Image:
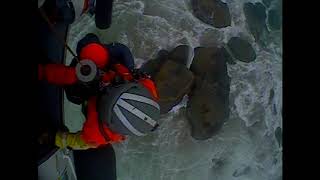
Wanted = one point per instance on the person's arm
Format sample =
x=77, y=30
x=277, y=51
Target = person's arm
x=57, y=74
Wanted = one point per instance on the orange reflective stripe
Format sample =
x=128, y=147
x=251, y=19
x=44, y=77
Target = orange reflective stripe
x=149, y=84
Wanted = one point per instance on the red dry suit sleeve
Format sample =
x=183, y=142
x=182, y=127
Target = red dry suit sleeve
x=108, y=76
x=91, y=132
x=57, y=74
x=123, y=71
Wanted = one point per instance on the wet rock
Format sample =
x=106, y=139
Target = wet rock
x=243, y=170
x=278, y=135
x=208, y=105
x=180, y=54
x=171, y=75
x=274, y=19
x=173, y=82
x=212, y=12
x=256, y=20
x=153, y=66
x=271, y=96
x=241, y=49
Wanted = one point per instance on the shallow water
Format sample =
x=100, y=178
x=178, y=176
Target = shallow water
x=246, y=147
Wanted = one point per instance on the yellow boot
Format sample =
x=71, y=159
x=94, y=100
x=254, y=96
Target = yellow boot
x=72, y=140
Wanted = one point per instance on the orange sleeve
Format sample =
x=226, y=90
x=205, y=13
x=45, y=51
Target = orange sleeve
x=150, y=85
x=57, y=74
x=108, y=76
x=91, y=131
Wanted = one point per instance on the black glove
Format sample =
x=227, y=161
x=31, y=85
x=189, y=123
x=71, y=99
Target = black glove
x=117, y=80
x=138, y=74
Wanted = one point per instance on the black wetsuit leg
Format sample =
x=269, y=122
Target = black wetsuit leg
x=89, y=38
x=120, y=53
x=103, y=13
x=95, y=164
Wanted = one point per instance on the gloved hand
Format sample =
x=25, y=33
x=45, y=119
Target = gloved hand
x=72, y=140
x=138, y=74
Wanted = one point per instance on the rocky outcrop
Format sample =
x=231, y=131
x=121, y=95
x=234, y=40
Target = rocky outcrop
x=212, y=12
x=278, y=135
x=172, y=77
x=153, y=66
x=208, y=105
x=256, y=20
x=173, y=82
x=180, y=54
x=207, y=84
x=275, y=16
x=241, y=49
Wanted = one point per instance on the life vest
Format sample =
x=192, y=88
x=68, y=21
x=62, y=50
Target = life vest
x=99, y=128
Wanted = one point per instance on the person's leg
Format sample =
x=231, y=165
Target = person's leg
x=121, y=54
x=97, y=164
x=103, y=13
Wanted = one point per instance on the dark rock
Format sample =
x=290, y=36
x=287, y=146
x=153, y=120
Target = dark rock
x=153, y=66
x=278, y=135
x=173, y=82
x=213, y=12
x=180, y=54
x=271, y=96
x=208, y=105
x=274, y=109
x=256, y=20
x=241, y=49
x=274, y=19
